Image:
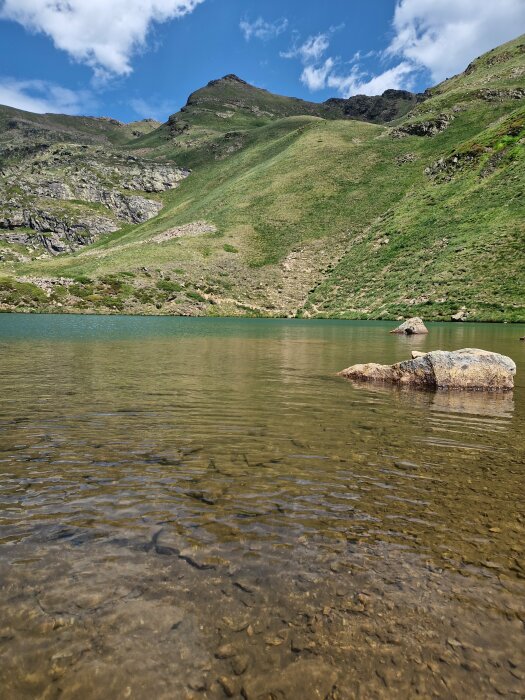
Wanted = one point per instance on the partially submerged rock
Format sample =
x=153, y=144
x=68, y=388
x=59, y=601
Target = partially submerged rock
x=413, y=326
x=468, y=368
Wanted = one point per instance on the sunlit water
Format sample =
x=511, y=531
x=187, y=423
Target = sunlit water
x=194, y=508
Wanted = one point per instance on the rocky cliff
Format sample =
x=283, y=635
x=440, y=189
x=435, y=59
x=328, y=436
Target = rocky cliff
x=48, y=192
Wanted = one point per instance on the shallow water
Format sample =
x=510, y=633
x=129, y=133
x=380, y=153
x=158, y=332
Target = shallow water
x=199, y=508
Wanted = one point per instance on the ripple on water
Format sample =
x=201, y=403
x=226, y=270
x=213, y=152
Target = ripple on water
x=181, y=514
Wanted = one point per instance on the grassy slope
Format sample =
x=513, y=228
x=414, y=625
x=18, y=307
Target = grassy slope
x=219, y=118
x=62, y=127
x=456, y=239
x=329, y=218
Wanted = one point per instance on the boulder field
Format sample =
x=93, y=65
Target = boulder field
x=469, y=368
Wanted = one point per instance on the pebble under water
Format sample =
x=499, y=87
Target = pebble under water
x=200, y=508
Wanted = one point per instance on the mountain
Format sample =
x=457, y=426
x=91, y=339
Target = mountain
x=219, y=117
x=246, y=202
x=19, y=128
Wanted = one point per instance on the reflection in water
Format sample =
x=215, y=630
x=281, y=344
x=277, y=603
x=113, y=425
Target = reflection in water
x=193, y=508
x=474, y=403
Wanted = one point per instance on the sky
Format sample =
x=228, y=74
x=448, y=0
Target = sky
x=132, y=59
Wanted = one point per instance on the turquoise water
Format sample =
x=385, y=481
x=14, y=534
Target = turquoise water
x=201, y=508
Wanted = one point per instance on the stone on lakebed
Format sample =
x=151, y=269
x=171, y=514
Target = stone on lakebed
x=468, y=368
x=413, y=326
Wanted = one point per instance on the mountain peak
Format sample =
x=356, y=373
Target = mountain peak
x=230, y=78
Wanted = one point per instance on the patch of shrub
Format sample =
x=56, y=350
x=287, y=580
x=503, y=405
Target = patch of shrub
x=230, y=248
x=168, y=286
x=195, y=295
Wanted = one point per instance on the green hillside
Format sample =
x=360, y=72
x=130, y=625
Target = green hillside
x=18, y=128
x=292, y=208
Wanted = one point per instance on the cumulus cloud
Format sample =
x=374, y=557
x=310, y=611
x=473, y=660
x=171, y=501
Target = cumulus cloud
x=315, y=78
x=103, y=34
x=445, y=36
x=357, y=83
x=311, y=50
x=262, y=29
x=40, y=96
x=438, y=39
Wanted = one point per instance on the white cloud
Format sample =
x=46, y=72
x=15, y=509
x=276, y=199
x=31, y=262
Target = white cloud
x=315, y=78
x=261, y=29
x=396, y=78
x=103, y=34
x=40, y=96
x=438, y=36
x=445, y=36
x=311, y=50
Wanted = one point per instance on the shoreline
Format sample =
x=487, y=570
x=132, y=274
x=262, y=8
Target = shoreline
x=83, y=312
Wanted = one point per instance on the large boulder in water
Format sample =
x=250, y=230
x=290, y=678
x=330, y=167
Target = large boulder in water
x=413, y=326
x=459, y=369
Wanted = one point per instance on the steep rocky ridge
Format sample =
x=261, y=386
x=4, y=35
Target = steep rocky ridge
x=378, y=109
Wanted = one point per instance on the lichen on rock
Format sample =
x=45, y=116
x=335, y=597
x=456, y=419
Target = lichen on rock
x=469, y=368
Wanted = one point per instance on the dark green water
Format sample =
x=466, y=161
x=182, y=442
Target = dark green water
x=200, y=508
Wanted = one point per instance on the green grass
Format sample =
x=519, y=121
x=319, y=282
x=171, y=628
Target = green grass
x=325, y=217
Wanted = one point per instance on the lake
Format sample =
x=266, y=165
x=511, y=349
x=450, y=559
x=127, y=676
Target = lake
x=200, y=508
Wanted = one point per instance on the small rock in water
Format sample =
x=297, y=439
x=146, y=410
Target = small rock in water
x=240, y=664
x=227, y=685
x=226, y=651
x=413, y=326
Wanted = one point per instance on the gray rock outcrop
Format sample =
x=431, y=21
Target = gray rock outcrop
x=52, y=189
x=461, y=315
x=412, y=326
x=468, y=368
x=429, y=127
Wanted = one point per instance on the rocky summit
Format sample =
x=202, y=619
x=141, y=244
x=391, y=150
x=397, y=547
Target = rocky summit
x=393, y=206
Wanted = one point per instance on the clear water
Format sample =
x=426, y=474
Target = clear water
x=200, y=508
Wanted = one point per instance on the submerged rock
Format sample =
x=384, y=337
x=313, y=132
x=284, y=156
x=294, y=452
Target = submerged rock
x=468, y=368
x=413, y=326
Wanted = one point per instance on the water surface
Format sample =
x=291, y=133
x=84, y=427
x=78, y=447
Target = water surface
x=200, y=508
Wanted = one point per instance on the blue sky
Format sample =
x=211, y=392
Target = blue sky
x=130, y=59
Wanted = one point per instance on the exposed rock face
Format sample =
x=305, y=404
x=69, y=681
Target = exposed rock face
x=413, y=326
x=378, y=109
x=55, y=233
x=45, y=190
x=461, y=315
x=430, y=127
x=492, y=95
x=469, y=368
